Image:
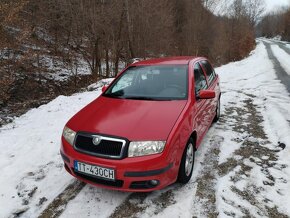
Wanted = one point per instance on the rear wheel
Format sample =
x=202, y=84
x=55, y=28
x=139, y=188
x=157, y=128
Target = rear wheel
x=218, y=111
x=187, y=162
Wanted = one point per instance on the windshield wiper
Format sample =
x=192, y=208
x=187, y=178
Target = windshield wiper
x=122, y=96
x=145, y=98
x=113, y=96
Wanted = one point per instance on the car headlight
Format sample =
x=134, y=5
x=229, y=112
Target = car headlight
x=69, y=135
x=143, y=148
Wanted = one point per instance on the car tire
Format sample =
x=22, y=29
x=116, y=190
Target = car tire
x=218, y=111
x=187, y=162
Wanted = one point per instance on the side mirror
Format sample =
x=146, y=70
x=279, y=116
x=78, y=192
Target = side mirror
x=206, y=94
x=104, y=88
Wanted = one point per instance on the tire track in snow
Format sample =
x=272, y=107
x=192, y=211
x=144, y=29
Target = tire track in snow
x=147, y=204
x=280, y=71
x=254, y=157
x=58, y=205
x=283, y=47
x=133, y=204
x=206, y=193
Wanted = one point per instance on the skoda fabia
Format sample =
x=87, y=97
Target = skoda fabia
x=142, y=132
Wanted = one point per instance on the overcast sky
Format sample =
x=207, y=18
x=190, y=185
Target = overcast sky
x=271, y=5
x=274, y=4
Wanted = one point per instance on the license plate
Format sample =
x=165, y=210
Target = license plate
x=97, y=171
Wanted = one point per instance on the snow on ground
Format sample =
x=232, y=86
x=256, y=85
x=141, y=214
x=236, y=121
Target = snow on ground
x=99, y=84
x=30, y=162
x=257, y=82
x=240, y=170
x=283, y=57
x=276, y=39
x=62, y=73
x=94, y=202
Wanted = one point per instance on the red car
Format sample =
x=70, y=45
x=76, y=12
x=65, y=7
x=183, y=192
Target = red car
x=141, y=134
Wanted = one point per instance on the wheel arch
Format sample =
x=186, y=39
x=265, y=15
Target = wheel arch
x=193, y=136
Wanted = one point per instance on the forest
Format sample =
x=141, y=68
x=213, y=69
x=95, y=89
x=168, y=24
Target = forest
x=93, y=39
x=276, y=24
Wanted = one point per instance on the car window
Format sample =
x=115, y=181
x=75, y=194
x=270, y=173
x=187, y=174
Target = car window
x=208, y=70
x=164, y=82
x=199, y=79
x=125, y=82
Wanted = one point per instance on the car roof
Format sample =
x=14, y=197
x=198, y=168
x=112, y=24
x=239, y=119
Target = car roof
x=167, y=61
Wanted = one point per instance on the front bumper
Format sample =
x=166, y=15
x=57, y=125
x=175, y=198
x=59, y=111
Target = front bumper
x=132, y=174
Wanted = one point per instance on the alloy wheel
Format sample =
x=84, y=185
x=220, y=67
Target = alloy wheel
x=189, y=159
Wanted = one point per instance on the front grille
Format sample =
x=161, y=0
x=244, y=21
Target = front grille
x=116, y=183
x=107, y=147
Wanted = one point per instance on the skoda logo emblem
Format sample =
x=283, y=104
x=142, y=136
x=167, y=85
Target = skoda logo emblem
x=96, y=140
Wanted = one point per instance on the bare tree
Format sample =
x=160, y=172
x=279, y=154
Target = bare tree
x=254, y=10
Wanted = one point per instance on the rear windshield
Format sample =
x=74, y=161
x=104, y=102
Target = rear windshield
x=151, y=83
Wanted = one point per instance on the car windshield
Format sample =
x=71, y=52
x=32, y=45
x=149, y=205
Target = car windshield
x=151, y=83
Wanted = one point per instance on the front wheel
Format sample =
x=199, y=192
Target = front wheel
x=187, y=162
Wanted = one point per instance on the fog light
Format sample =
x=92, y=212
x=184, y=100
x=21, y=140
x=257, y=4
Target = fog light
x=154, y=182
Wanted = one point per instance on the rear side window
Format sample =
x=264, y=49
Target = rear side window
x=199, y=79
x=209, y=71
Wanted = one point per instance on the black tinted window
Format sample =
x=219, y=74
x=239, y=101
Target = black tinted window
x=199, y=79
x=208, y=70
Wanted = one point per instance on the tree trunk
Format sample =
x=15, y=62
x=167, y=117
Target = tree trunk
x=96, y=58
x=130, y=31
x=107, y=63
x=116, y=66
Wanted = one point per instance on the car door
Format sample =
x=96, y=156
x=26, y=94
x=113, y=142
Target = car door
x=212, y=82
x=201, y=105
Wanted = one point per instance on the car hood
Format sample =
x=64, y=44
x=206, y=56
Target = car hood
x=131, y=119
